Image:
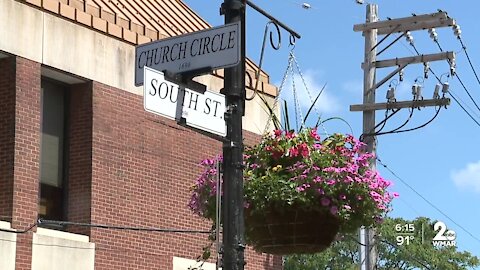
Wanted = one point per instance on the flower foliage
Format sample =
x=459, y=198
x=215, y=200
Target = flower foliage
x=288, y=169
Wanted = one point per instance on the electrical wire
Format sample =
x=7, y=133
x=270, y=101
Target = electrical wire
x=114, y=227
x=20, y=231
x=412, y=129
x=468, y=58
x=65, y=223
x=426, y=200
x=450, y=91
x=466, y=90
x=456, y=73
x=456, y=100
x=378, y=133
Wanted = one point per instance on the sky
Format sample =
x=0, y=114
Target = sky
x=439, y=162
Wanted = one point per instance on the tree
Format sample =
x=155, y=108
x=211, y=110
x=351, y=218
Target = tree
x=402, y=245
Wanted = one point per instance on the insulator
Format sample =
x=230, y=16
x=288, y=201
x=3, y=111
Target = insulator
x=414, y=89
x=457, y=31
x=391, y=95
x=419, y=93
x=401, y=75
x=445, y=87
x=436, y=92
x=409, y=37
x=433, y=34
x=453, y=65
x=426, y=69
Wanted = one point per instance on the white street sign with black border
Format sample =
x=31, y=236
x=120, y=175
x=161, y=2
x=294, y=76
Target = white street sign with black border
x=202, y=111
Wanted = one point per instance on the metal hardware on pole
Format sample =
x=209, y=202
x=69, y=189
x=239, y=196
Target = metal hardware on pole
x=234, y=88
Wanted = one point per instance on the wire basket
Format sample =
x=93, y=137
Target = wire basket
x=288, y=231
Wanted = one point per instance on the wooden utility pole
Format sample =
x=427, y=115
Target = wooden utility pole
x=369, y=255
x=371, y=29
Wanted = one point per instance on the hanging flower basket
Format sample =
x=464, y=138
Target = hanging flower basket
x=291, y=231
x=300, y=191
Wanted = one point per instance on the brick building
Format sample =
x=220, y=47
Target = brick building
x=76, y=144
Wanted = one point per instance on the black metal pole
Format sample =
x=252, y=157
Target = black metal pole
x=234, y=87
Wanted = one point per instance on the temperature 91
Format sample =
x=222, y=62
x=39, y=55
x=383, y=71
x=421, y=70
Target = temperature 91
x=404, y=239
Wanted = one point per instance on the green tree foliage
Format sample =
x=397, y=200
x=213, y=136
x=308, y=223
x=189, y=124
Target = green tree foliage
x=400, y=246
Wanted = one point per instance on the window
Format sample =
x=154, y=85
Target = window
x=53, y=151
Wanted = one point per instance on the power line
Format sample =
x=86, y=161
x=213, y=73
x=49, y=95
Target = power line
x=450, y=91
x=468, y=58
x=456, y=73
x=465, y=88
x=427, y=201
x=463, y=108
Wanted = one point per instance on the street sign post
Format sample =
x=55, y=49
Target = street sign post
x=214, y=48
x=202, y=111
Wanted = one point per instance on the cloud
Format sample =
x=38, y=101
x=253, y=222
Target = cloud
x=311, y=82
x=468, y=177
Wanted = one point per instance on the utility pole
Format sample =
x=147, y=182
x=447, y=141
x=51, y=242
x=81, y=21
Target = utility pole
x=369, y=256
x=371, y=29
x=234, y=88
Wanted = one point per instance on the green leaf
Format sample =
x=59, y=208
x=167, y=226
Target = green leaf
x=313, y=104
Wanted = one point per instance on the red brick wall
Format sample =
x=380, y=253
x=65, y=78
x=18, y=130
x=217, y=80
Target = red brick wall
x=143, y=166
x=7, y=136
x=127, y=167
x=27, y=155
x=80, y=156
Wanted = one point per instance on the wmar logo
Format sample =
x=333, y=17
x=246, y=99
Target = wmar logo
x=444, y=237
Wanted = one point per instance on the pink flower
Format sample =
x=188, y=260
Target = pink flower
x=317, y=146
x=293, y=151
x=313, y=134
x=304, y=151
x=277, y=133
x=290, y=135
x=395, y=194
x=342, y=197
x=331, y=182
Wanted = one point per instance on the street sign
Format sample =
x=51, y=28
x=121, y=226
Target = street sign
x=214, y=48
x=202, y=111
